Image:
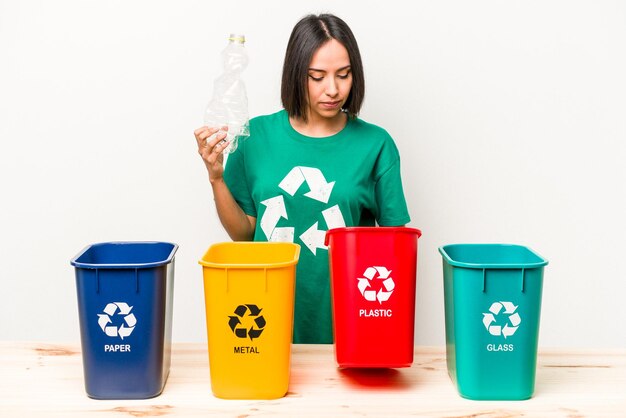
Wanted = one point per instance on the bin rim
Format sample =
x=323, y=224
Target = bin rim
x=442, y=250
x=291, y=262
x=375, y=229
x=168, y=260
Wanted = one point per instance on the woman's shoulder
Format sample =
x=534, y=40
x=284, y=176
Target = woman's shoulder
x=371, y=131
x=271, y=119
x=262, y=130
x=375, y=138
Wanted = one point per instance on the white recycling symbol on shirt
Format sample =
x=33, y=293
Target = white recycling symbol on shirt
x=513, y=319
x=121, y=308
x=385, y=291
x=320, y=190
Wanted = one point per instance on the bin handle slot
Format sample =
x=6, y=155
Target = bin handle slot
x=136, y=280
x=226, y=270
x=522, y=281
x=484, y=280
x=97, y=281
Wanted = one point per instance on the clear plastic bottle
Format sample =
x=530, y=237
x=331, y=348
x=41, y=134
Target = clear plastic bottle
x=229, y=103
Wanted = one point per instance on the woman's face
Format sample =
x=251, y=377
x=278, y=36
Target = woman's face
x=329, y=82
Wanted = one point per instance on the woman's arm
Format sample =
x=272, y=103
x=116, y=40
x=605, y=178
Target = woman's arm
x=238, y=225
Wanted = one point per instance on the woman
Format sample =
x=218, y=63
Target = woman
x=310, y=167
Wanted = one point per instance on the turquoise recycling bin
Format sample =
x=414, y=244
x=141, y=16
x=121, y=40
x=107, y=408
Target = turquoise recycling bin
x=492, y=298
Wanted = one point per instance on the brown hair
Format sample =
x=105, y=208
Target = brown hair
x=310, y=33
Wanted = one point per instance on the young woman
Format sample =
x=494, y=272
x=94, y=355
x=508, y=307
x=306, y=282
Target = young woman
x=310, y=167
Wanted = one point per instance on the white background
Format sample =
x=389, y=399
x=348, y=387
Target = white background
x=509, y=116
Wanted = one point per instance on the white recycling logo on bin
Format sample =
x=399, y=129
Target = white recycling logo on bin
x=120, y=309
x=385, y=290
x=509, y=327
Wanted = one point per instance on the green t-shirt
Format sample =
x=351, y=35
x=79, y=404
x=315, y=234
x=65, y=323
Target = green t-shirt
x=298, y=187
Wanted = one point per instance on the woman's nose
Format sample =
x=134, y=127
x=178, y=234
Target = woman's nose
x=331, y=87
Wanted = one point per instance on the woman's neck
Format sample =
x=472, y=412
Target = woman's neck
x=319, y=127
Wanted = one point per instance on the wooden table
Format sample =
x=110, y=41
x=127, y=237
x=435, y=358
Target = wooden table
x=47, y=380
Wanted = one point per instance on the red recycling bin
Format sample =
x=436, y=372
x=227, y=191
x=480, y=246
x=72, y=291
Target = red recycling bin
x=373, y=272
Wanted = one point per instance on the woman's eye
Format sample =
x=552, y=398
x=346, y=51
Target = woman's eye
x=315, y=78
x=343, y=76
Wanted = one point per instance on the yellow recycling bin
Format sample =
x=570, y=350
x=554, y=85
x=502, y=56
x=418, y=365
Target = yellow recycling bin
x=249, y=290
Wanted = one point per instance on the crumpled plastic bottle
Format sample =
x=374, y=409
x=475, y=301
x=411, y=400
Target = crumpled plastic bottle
x=229, y=104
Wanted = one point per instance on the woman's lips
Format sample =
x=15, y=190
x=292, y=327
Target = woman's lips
x=330, y=105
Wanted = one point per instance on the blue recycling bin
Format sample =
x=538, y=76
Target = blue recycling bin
x=125, y=295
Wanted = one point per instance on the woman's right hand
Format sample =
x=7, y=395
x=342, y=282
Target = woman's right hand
x=210, y=148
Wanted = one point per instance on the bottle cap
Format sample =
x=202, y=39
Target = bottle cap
x=237, y=38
